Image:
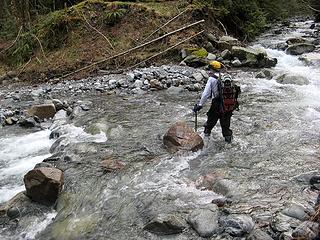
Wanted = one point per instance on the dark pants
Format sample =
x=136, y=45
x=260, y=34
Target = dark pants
x=213, y=116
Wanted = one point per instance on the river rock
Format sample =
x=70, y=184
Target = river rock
x=205, y=221
x=258, y=234
x=292, y=41
x=155, y=83
x=164, y=224
x=236, y=63
x=306, y=231
x=111, y=165
x=253, y=57
x=226, y=54
x=181, y=137
x=298, y=49
x=292, y=79
x=44, y=184
x=211, y=57
x=227, y=42
x=283, y=223
x=296, y=211
x=43, y=111
x=226, y=187
x=237, y=225
x=27, y=122
x=197, y=76
x=310, y=58
x=174, y=90
x=58, y=104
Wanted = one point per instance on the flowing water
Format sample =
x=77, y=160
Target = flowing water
x=276, y=141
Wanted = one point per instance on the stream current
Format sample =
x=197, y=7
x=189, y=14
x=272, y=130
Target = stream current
x=276, y=141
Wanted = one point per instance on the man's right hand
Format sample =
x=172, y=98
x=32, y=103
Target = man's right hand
x=197, y=108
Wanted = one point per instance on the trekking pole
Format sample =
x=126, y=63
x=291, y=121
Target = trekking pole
x=196, y=121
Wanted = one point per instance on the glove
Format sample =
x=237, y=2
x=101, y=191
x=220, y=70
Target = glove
x=197, y=108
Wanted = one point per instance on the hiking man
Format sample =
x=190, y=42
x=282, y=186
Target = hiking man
x=224, y=94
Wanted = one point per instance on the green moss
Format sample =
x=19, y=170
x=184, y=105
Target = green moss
x=200, y=53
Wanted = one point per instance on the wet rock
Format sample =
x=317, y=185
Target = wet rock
x=205, y=221
x=164, y=224
x=310, y=58
x=209, y=47
x=13, y=212
x=315, y=182
x=8, y=121
x=298, y=49
x=43, y=185
x=43, y=111
x=27, y=122
x=296, y=211
x=59, y=145
x=237, y=225
x=292, y=79
x=260, y=75
x=283, y=223
x=306, y=230
x=58, y=104
x=43, y=164
x=221, y=202
x=85, y=107
x=181, y=137
x=258, y=234
x=138, y=84
x=112, y=165
x=296, y=40
x=226, y=187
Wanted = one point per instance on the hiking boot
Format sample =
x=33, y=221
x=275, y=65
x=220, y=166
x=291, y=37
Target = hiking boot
x=228, y=139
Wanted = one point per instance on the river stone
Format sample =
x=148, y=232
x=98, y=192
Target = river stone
x=197, y=76
x=42, y=111
x=260, y=75
x=298, y=49
x=43, y=164
x=211, y=57
x=44, y=184
x=112, y=165
x=296, y=211
x=306, y=231
x=258, y=234
x=209, y=47
x=155, y=83
x=283, y=223
x=164, y=224
x=236, y=63
x=310, y=58
x=13, y=212
x=237, y=225
x=58, y=104
x=226, y=187
x=27, y=122
x=226, y=54
x=205, y=221
x=174, y=90
x=296, y=40
x=292, y=79
x=180, y=136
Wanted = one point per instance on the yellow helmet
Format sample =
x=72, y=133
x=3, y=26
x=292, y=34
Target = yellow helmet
x=215, y=65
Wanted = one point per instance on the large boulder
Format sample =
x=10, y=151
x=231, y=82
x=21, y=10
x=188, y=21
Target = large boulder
x=44, y=184
x=180, y=136
x=43, y=111
x=300, y=48
x=251, y=57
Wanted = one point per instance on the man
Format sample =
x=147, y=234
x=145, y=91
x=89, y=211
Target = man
x=224, y=101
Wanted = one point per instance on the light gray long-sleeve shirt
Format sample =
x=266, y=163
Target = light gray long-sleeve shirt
x=210, y=91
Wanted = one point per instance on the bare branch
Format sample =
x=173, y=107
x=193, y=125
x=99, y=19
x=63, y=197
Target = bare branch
x=12, y=44
x=135, y=48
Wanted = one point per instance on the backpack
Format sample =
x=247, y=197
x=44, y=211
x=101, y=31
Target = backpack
x=229, y=94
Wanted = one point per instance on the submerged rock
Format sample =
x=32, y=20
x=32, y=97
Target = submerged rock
x=181, y=137
x=165, y=225
x=44, y=184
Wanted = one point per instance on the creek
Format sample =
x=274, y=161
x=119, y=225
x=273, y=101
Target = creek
x=264, y=170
